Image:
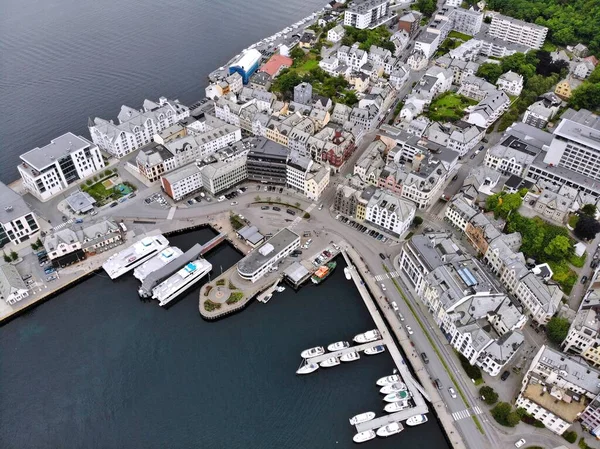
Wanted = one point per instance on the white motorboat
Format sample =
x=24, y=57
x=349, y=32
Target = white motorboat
x=350, y=357
x=375, y=350
x=363, y=436
x=312, y=352
x=362, y=417
x=280, y=289
x=347, y=273
x=179, y=282
x=368, y=336
x=308, y=368
x=392, y=388
x=397, y=396
x=338, y=345
x=332, y=361
x=416, y=420
x=394, y=407
x=387, y=380
x=390, y=429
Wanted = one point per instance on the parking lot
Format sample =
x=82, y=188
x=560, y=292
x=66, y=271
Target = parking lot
x=157, y=198
x=364, y=229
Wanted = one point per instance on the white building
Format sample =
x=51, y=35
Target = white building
x=556, y=389
x=517, y=31
x=222, y=175
x=265, y=257
x=136, y=128
x=427, y=43
x=183, y=182
x=17, y=222
x=459, y=213
x=64, y=161
x=511, y=83
x=353, y=56
x=336, y=34
x=12, y=286
x=306, y=176
x=366, y=14
x=389, y=212
x=424, y=181
x=489, y=110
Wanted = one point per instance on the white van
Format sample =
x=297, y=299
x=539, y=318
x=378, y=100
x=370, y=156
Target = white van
x=221, y=198
x=395, y=306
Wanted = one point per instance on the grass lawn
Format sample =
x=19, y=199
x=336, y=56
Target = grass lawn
x=573, y=219
x=449, y=107
x=548, y=46
x=577, y=261
x=308, y=66
x=456, y=35
x=98, y=191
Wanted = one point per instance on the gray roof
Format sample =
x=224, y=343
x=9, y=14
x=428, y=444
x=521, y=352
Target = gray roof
x=518, y=22
x=256, y=259
x=10, y=280
x=504, y=348
x=12, y=205
x=427, y=37
x=580, y=126
x=296, y=272
x=40, y=158
x=182, y=173
x=81, y=201
x=434, y=249
x=571, y=370
x=251, y=234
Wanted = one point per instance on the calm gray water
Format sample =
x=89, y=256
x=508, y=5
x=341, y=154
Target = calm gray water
x=62, y=61
x=98, y=368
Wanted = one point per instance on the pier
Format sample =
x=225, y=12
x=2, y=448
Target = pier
x=389, y=418
x=265, y=296
x=341, y=352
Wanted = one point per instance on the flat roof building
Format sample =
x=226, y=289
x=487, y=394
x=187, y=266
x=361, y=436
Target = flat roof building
x=17, y=221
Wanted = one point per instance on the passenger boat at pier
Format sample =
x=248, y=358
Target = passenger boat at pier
x=390, y=429
x=160, y=260
x=392, y=379
x=368, y=336
x=350, y=356
x=416, y=420
x=135, y=255
x=172, y=287
x=393, y=388
x=361, y=437
x=375, y=350
x=338, y=345
x=312, y=352
x=323, y=272
x=362, y=417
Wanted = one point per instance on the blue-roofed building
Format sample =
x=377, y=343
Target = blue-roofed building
x=246, y=65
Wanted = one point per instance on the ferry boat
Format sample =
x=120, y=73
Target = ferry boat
x=332, y=361
x=362, y=417
x=323, y=272
x=312, y=352
x=390, y=429
x=308, y=368
x=361, y=437
x=394, y=378
x=394, y=407
x=191, y=273
x=350, y=357
x=368, y=336
x=164, y=257
x=347, y=273
x=397, y=396
x=337, y=346
x=138, y=253
x=392, y=388
x=416, y=420
x=375, y=350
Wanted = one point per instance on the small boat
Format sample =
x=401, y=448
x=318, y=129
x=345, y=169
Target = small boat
x=332, y=361
x=416, y=420
x=375, y=350
x=312, y=352
x=338, y=345
x=308, y=368
x=387, y=380
x=368, y=336
x=394, y=407
x=392, y=388
x=363, y=436
x=397, y=396
x=280, y=289
x=347, y=273
x=362, y=417
x=350, y=357
x=390, y=429
x=323, y=272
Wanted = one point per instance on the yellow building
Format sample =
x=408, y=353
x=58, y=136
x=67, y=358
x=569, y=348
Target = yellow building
x=563, y=89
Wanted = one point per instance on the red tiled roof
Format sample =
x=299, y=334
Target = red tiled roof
x=274, y=64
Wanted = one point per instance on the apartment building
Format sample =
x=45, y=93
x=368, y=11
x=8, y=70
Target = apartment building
x=390, y=213
x=459, y=212
x=557, y=389
x=366, y=14
x=267, y=162
x=64, y=161
x=489, y=109
x=424, y=181
x=136, y=128
x=511, y=83
x=220, y=176
x=182, y=182
x=17, y=222
x=12, y=287
x=517, y=31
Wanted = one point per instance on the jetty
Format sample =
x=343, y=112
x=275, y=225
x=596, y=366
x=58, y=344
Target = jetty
x=341, y=352
x=265, y=296
x=402, y=415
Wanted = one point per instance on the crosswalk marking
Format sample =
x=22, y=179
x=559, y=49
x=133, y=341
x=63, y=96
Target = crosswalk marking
x=62, y=225
x=466, y=413
x=298, y=219
x=384, y=276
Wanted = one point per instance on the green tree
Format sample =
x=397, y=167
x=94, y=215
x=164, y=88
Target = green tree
x=14, y=255
x=350, y=98
x=417, y=221
x=297, y=54
x=557, y=329
x=490, y=71
x=491, y=397
x=504, y=414
x=427, y=7
x=7, y=258
x=586, y=96
x=559, y=248
x=504, y=203
x=589, y=209
x=587, y=227
x=570, y=436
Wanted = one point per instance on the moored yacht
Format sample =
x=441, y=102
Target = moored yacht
x=350, y=356
x=138, y=253
x=394, y=407
x=389, y=380
x=390, y=429
x=368, y=336
x=308, y=368
x=338, y=345
x=363, y=436
x=375, y=350
x=392, y=388
x=347, y=273
x=332, y=361
x=416, y=420
x=312, y=352
x=362, y=417
x=160, y=260
x=183, y=279
x=395, y=397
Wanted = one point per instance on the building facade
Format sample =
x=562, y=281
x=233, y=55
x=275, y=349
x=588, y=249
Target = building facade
x=17, y=222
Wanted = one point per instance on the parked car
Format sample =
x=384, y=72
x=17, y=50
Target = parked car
x=276, y=208
x=520, y=443
x=221, y=199
x=584, y=279
x=234, y=203
x=452, y=393
x=383, y=287
x=382, y=256
x=505, y=375
x=320, y=206
x=438, y=384
x=409, y=330
x=394, y=306
x=455, y=177
x=113, y=204
x=400, y=316
x=424, y=357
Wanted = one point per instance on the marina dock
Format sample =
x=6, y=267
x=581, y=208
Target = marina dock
x=265, y=296
x=389, y=418
x=341, y=352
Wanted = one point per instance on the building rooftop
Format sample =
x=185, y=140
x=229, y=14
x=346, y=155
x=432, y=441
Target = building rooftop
x=81, y=202
x=580, y=126
x=262, y=254
x=275, y=63
x=296, y=272
x=12, y=205
x=40, y=158
x=365, y=6
x=251, y=234
x=181, y=173
x=10, y=279
x=567, y=409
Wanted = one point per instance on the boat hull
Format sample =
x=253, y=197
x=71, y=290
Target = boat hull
x=338, y=345
x=363, y=436
x=350, y=357
x=307, y=369
x=392, y=388
x=312, y=352
x=362, y=417
x=416, y=420
x=388, y=380
x=389, y=430
x=375, y=350
x=334, y=361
